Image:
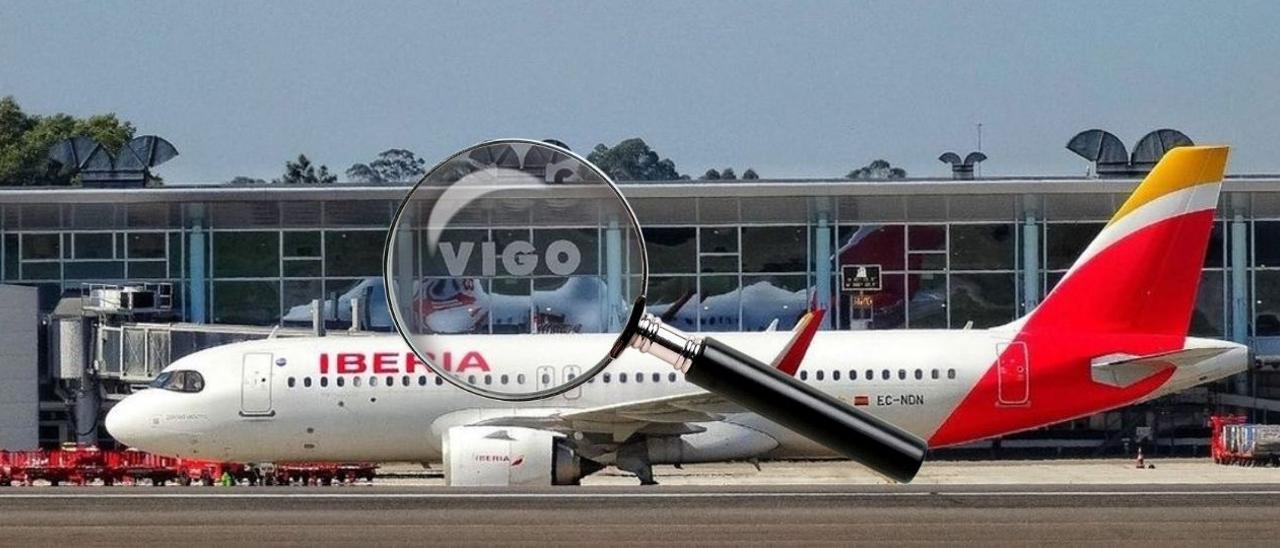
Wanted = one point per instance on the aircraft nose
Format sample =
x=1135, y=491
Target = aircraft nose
x=125, y=421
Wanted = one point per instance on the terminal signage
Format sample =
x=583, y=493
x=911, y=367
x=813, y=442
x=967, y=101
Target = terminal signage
x=518, y=258
x=860, y=277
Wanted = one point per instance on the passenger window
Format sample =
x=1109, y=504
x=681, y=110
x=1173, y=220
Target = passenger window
x=488, y=379
x=324, y=382
x=355, y=381
x=835, y=375
x=422, y=380
x=439, y=380
x=804, y=375
x=391, y=381
x=373, y=381
x=853, y=374
x=306, y=382
x=951, y=373
x=902, y=374
x=871, y=375
x=607, y=377
x=884, y=374
x=919, y=374
x=520, y=378
x=404, y=381
x=657, y=377
x=341, y=381
x=504, y=378
x=933, y=374
x=622, y=377
x=818, y=375
x=291, y=382
x=546, y=379
x=471, y=379
x=671, y=377
x=639, y=377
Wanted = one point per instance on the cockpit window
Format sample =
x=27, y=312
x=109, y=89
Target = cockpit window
x=179, y=381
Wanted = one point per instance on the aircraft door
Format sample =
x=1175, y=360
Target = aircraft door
x=255, y=385
x=546, y=377
x=1013, y=374
x=572, y=372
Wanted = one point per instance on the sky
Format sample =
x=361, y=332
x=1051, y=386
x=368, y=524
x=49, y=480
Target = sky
x=793, y=90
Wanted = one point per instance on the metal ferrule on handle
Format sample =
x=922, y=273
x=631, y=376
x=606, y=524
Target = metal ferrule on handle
x=665, y=343
x=713, y=365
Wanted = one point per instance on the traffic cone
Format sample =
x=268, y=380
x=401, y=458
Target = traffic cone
x=1141, y=462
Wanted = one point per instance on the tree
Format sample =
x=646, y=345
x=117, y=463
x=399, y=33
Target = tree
x=750, y=174
x=727, y=173
x=710, y=175
x=241, y=180
x=301, y=171
x=633, y=160
x=394, y=165
x=878, y=169
x=25, y=140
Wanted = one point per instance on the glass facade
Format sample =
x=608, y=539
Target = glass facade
x=722, y=256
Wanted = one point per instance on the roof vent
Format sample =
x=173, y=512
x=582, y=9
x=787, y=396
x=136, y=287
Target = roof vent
x=98, y=168
x=962, y=169
x=1110, y=159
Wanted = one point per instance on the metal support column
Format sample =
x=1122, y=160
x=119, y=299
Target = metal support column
x=613, y=277
x=1239, y=266
x=822, y=267
x=1030, y=263
x=197, y=271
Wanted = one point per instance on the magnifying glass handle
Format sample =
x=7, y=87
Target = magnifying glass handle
x=713, y=365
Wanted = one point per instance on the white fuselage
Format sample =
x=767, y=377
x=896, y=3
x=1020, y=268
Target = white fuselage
x=286, y=412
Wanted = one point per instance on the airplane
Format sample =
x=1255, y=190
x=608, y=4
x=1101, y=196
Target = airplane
x=1111, y=333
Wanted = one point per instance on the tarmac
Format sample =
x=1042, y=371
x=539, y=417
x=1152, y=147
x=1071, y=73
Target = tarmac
x=1060, y=503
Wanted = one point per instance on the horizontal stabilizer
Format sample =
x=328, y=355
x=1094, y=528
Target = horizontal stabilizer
x=1122, y=370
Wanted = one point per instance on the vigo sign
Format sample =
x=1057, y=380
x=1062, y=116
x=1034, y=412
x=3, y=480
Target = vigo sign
x=518, y=258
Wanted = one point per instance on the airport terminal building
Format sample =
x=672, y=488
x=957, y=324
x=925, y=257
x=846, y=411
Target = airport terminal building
x=727, y=255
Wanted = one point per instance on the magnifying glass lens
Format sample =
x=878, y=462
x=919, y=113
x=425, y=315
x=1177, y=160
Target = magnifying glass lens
x=504, y=251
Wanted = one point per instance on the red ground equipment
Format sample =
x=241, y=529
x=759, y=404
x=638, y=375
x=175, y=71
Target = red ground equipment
x=80, y=465
x=1237, y=442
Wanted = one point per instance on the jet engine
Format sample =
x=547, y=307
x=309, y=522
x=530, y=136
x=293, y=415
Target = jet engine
x=499, y=456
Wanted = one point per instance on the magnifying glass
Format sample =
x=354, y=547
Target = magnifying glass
x=513, y=255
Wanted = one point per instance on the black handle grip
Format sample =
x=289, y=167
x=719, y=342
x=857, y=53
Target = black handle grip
x=883, y=447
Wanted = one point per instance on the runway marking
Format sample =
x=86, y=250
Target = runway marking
x=766, y=494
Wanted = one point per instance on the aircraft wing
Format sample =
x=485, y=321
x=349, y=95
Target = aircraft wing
x=667, y=415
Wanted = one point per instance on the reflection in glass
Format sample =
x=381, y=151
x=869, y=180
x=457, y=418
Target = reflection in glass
x=1266, y=253
x=720, y=239
x=720, y=304
x=508, y=307
x=987, y=300
x=927, y=307
x=250, y=303
x=774, y=249
x=1064, y=242
x=982, y=247
x=674, y=299
x=726, y=264
x=583, y=242
x=672, y=249
x=1209, y=316
x=1266, y=311
x=882, y=245
x=769, y=298
x=884, y=309
x=354, y=252
x=246, y=254
x=927, y=237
